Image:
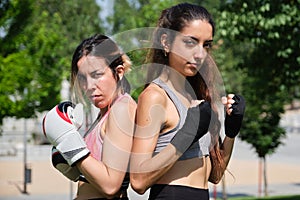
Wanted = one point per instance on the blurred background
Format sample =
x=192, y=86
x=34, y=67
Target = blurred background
x=256, y=48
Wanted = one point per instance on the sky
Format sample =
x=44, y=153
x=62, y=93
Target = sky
x=106, y=6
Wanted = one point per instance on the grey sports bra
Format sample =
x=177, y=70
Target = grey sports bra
x=198, y=149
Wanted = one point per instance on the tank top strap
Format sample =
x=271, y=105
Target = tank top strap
x=182, y=110
x=164, y=139
x=93, y=140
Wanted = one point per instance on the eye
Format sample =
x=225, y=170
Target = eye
x=81, y=79
x=96, y=75
x=189, y=42
x=207, y=45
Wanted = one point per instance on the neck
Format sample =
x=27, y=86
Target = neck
x=177, y=81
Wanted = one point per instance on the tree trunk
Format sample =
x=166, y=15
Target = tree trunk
x=224, y=194
x=265, y=177
x=259, y=176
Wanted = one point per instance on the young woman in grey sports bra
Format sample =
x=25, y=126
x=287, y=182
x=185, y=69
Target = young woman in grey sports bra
x=180, y=77
x=197, y=149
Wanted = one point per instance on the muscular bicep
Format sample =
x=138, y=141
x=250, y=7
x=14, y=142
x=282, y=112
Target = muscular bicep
x=117, y=141
x=107, y=176
x=150, y=117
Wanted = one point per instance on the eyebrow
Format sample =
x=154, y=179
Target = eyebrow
x=209, y=41
x=97, y=71
x=188, y=36
x=196, y=39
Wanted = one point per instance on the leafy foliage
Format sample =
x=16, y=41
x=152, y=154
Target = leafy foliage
x=39, y=39
x=265, y=35
x=250, y=53
x=256, y=48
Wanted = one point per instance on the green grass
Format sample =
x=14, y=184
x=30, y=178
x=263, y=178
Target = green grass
x=291, y=197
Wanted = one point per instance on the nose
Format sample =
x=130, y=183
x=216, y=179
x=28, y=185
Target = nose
x=90, y=83
x=200, y=53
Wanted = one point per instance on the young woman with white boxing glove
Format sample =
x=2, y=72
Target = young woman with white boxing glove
x=102, y=157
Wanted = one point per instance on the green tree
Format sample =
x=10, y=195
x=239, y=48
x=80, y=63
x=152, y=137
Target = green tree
x=133, y=22
x=264, y=37
x=39, y=37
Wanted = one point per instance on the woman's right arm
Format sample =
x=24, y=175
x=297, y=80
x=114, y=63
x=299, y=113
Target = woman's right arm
x=146, y=169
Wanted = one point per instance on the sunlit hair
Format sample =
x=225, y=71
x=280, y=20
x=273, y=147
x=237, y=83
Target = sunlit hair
x=103, y=47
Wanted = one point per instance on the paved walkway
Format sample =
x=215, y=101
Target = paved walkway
x=283, y=173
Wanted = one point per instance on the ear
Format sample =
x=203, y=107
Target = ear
x=120, y=71
x=164, y=42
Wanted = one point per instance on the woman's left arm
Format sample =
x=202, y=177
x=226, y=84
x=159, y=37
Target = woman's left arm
x=235, y=109
x=107, y=175
x=220, y=157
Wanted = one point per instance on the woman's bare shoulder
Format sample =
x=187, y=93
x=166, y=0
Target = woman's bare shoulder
x=126, y=106
x=153, y=94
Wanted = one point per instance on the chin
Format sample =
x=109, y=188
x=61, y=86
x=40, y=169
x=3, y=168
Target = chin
x=101, y=105
x=191, y=73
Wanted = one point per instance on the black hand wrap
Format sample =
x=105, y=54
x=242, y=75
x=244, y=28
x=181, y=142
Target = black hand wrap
x=195, y=126
x=233, y=122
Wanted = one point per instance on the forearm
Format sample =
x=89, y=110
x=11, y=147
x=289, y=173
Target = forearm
x=141, y=182
x=147, y=171
x=106, y=180
x=220, y=157
x=226, y=149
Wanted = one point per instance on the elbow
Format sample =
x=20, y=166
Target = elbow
x=138, y=188
x=138, y=184
x=110, y=190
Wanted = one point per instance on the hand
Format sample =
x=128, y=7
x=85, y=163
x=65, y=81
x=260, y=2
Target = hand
x=60, y=126
x=235, y=109
x=63, y=167
x=195, y=126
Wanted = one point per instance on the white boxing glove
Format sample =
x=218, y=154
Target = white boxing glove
x=71, y=172
x=60, y=126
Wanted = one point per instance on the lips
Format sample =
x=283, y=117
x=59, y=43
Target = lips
x=94, y=97
x=194, y=65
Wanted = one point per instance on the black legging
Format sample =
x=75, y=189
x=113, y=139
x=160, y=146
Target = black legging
x=177, y=192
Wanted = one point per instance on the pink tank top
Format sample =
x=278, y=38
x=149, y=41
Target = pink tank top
x=94, y=140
